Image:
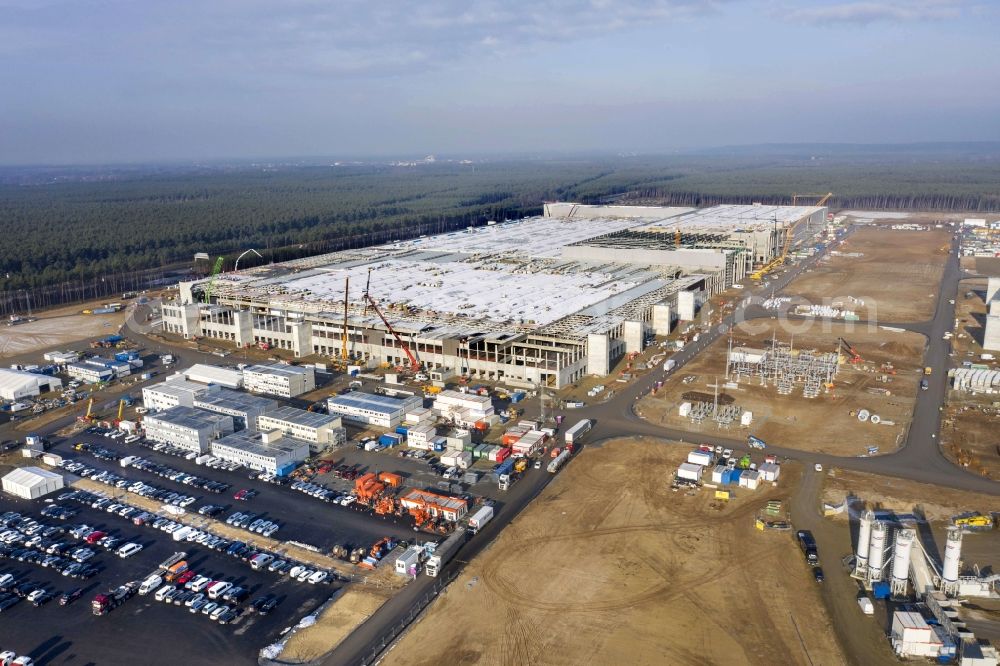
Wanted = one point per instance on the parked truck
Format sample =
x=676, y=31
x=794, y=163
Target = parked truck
x=443, y=553
x=105, y=603
x=574, y=434
x=669, y=365
x=480, y=518
x=558, y=462
x=808, y=545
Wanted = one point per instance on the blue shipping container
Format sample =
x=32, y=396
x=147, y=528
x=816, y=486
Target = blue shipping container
x=402, y=430
x=506, y=467
x=286, y=469
x=734, y=476
x=725, y=476
x=390, y=439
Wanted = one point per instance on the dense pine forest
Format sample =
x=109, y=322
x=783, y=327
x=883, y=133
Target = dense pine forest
x=76, y=233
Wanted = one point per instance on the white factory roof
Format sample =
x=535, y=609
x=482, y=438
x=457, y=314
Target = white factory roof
x=735, y=217
x=176, y=385
x=30, y=477
x=253, y=442
x=214, y=374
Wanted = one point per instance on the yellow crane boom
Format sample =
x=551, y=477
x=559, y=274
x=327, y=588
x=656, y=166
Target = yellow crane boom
x=789, y=237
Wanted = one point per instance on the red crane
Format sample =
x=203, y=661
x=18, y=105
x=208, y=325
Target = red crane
x=855, y=356
x=414, y=363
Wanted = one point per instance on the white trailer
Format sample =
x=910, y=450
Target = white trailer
x=574, y=434
x=443, y=553
x=669, y=365
x=480, y=518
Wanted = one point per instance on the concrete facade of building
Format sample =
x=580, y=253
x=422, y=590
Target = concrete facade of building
x=538, y=301
x=187, y=428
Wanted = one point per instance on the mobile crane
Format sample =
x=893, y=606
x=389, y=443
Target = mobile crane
x=414, y=363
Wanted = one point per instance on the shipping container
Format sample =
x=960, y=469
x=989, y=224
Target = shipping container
x=689, y=472
x=445, y=551
x=402, y=430
x=390, y=439
x=390, y=479
x=471, y=478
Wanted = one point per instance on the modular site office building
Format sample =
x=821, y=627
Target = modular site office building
x=187, y=428
x=244, y=408
x=369, y=409
x=544, y=300
x=279, y=379
x=175, y=391
x=321, y=431
x=269, y=452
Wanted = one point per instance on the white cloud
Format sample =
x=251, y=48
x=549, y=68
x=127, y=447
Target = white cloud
x=874, y=12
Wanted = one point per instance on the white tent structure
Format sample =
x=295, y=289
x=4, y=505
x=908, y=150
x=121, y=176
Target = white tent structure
x=15, y=384
x=31, y=482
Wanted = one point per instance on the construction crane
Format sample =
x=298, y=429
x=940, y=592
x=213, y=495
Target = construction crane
x=88, y=417
x=854, y=357
x=823, y=198
x=121, y=409
x=677, y=237
x=343, y=334
x=414, y=363
x=211, y=281
x=789, y=237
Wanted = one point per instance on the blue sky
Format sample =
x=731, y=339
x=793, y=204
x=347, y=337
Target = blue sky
x=88, y=81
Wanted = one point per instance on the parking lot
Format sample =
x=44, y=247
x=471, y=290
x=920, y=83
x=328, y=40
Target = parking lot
x=302, y=518
x=142, y=626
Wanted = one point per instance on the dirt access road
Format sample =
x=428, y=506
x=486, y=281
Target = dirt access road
x=609, y=566
x=896, y=279
x=823, y=424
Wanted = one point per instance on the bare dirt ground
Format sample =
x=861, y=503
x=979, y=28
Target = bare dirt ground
x=897, y=277
x=57, y=327
x=609, y=566
x=343, y=616
x=968, y=434
x=823, y=424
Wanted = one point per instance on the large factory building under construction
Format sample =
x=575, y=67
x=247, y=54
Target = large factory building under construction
x=540, y=300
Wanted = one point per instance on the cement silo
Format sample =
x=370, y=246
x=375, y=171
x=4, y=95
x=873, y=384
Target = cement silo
x=876, y=551
x=864, y=541
x=901, y=561
x=952, y=559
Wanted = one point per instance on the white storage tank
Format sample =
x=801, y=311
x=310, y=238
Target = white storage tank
x=864, y=538
x=901, y=560
x=876, y=551
x=952, y=558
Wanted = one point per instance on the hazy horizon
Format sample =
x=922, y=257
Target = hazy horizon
x=113, y=82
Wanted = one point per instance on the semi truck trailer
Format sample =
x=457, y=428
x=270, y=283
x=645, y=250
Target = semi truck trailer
x=443, y=553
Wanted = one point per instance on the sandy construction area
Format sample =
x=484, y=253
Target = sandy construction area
x=823, y=424
x=56, y=327
x=344, y=615
x=608, y=566
x=896, y=277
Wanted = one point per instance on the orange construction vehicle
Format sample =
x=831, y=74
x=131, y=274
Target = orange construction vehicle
x=390, y=479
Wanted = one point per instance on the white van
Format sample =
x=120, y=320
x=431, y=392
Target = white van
x=163, y=591
x=150, y=584
x=260, y=561
x=132, y=439
x=201, y=584
x=218, y=589
x=129, y=549
x=182, y=533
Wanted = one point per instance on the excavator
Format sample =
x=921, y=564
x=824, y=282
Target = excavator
x=852, y=354
x=973, y=521
x=759, y=274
